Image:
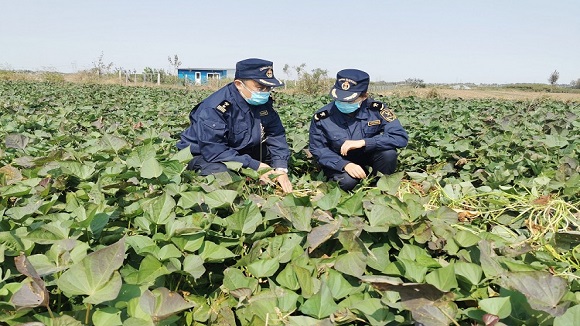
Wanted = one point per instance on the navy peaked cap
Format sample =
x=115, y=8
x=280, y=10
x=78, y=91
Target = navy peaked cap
x=261, y=71
x=349, y=85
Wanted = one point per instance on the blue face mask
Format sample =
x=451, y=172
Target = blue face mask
x=346, y=107
x=257, y=98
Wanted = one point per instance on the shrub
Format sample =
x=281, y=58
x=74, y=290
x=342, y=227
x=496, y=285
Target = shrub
x=415, y=82
x=53, y=77
x=14, y=75
x=314, y=83
x=433, y=93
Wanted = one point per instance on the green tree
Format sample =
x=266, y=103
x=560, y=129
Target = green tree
x=299, y=70
x=100, y=67
x=554, y=77
x=415, y=82
x=175, y=63
x=287, y=69
x=313, y=83
x=152, y=74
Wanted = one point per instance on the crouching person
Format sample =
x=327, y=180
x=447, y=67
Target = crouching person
x=355, y=132
x=238, y=123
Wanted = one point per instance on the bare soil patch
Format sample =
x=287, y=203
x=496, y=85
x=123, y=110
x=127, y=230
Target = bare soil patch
x=505, y=94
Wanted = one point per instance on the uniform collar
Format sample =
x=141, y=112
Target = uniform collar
x=363, y=111
x=237, y=98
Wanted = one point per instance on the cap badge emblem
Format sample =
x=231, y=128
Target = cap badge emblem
x=345, y=86
x=269, y=73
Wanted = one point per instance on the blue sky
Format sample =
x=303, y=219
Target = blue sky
x=442, y=41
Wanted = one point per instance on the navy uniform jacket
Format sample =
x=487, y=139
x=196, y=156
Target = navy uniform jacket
x=373, y=122
x=224, y=124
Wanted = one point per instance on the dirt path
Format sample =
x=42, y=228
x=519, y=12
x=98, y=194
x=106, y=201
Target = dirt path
x=485, y=93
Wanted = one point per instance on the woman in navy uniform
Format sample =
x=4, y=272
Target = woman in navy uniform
x=238, y=123
x=355, y=132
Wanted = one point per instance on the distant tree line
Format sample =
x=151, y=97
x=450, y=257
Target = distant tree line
x=314, y=81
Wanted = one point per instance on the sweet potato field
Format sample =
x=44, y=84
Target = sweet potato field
x=100, y=223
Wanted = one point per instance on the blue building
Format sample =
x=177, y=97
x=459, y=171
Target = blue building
x=201, y=76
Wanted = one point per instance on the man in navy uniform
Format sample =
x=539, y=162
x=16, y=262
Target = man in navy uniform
x=355, y=132
x=238, y=123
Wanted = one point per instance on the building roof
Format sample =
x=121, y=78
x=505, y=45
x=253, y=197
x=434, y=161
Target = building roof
x=207, y=69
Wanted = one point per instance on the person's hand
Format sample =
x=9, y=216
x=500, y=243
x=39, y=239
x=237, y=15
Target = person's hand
x=263, y=166
x=351, y=144
x=355, y=171
x=284, y=182
x=265, y=176
x=278, y=176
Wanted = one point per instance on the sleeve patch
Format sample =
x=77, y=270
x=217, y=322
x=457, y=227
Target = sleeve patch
x=388, y=115
x=223, y=106
x=321, y=115
x=377, y=106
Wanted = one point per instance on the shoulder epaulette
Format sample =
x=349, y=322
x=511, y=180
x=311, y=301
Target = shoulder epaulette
x=388, y=115
x=195, y=107
x=377, y=106
x=223, y=106
x=321, y=115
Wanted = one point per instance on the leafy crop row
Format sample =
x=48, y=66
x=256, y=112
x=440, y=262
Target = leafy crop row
x=100, y=224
